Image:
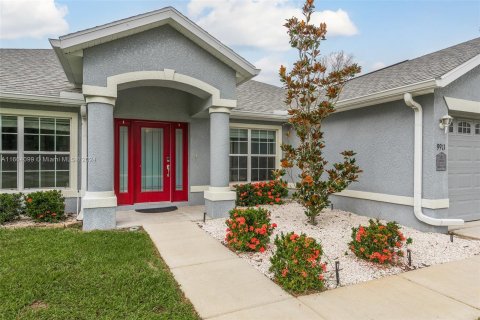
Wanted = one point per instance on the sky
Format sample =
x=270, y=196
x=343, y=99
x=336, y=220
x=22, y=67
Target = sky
x=376, y=33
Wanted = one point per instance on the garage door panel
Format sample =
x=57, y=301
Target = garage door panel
x=462, y=181
x=464, y=173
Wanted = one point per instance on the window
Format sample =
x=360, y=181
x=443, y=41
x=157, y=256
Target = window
x=238, y=154
x=253, y=154
x=463, y=127
x=477, y=128
x=450, y=128
x=35, y=152
x=8, y=152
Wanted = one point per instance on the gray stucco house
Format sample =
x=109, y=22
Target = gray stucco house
x=152, y=110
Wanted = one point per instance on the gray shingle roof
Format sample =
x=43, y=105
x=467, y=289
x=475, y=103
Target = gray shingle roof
x=260, y=97
x=38, y=72
x=32, y=71
x=427, y=67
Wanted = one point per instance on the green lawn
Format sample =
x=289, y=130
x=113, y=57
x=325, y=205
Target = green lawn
x=69, y=274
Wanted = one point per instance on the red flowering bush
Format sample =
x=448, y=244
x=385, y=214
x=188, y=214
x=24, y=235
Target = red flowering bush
x=270, y=192
x=45, y=206
x=249, y=229
x=296, y=264
x=378, y=242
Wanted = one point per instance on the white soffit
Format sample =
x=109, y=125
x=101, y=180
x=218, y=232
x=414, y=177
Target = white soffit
x=462, y=105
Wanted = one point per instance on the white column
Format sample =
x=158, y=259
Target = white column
x=99, y=203
x=219, y=199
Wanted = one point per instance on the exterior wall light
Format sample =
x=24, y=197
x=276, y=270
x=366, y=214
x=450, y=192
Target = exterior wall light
x=445, y=122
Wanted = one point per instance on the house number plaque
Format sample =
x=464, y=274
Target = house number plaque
x=441, y=161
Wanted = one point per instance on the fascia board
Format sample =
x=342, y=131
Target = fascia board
x=416, y=89
x=39, y=99
x=462, y=105
x=459, y=71
x=238, y=114
x=81, y=40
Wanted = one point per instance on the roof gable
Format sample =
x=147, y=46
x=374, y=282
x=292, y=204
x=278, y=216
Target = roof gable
x=69, y=48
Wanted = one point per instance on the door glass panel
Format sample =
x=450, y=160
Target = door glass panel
x=179, y=159
x=152, y=159
x=123, y=159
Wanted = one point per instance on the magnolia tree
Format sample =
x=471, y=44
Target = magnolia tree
x=312, y=88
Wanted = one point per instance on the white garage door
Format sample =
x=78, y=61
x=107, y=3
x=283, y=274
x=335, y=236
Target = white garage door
x=464, y=169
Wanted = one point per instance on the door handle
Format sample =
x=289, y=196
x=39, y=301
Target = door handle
x=168, y=171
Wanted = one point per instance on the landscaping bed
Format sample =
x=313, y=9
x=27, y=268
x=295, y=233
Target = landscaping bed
x=23, y=221
x=334, y=229
x=50, y=273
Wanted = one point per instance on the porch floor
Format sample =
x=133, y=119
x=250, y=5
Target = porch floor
x=131, y=218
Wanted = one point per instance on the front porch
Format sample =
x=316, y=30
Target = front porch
x=131, y=218
x=164, y=139
x=159, y=91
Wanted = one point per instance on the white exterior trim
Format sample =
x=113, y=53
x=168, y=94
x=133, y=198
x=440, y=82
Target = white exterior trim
x=40, y=99
x=194, y=189
x=100, y=99
x=219, y=195
x=390, y=198
x=248, y=115
x=459, y=71
x=394, y=94
x=218, y=110
x=104, y=199
x=462, y=105
x=76, y=42
x=389, y=95
x=68, y=192
x=169, y=75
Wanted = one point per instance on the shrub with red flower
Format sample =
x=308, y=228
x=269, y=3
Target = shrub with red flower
x=378, y=242
x=249, y=229
x=296, y=264
x=252, y=194
x=45, y=206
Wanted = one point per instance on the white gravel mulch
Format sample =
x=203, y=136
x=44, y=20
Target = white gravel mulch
x=333, y=230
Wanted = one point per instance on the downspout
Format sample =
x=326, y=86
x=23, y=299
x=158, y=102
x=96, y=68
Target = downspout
x=83, y=158
x=417, y=171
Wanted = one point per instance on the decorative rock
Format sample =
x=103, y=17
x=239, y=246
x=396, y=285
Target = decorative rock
x=333, y=230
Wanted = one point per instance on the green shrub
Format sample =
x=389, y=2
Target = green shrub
x=10, y=206
x=251, y=194
x=378, y=243
x=249, y=229
x=296, y=264
x=45, y=206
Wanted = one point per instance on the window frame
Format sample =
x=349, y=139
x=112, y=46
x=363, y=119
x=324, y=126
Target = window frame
x=464, y=133
x=476, y=126
x=72, y=190
x=250, y=127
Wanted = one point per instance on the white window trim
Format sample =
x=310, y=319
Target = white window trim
x=278, y=140
x=472, y=127
x=67, y=192
x=475, y=124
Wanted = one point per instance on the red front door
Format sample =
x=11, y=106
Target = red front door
x=150, y=161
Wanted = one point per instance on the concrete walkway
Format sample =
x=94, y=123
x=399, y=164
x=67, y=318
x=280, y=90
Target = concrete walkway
x=223, y=286
x=470, y=230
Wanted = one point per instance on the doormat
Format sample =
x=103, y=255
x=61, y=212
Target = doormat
x=157, y=210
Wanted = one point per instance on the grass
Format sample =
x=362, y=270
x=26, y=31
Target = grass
x=70, y=274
